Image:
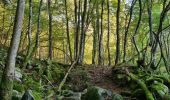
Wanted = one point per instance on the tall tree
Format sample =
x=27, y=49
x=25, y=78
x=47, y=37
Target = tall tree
x=100, y=58
x=50, y=30
x=94, y=42
x=38, y=28
x=82, y=36
x=29, y=34
x=67, y=30
x=76, y=31
x=117, y=34
x=6, y=85
x=108, y=32
x=127, y=29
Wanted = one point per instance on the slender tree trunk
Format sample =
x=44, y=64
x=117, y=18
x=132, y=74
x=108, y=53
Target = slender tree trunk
x=29, y=27
x=50, y=30
x=29, y=50
x=6, y=85
x=100, y=58
x=117, y=34
x=82, y=37
x=63, y=41
x=136, y=30
x=94, y=43
x=108, y=32
x=38, y=30
x=68, y=33
x=127, y=30
x=76, y=31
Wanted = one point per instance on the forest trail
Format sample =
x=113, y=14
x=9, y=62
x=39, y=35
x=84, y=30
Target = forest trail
x=101, y=76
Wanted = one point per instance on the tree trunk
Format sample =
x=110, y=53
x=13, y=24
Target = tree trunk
x=82, y=37
x=94, y=42
x=127, y=30
x=68, y=34
x=108, y=32
x=8, y=74
x=100, y=58
x=117, y=34
x=50, y=30
x=76, y=30
x=29, y=50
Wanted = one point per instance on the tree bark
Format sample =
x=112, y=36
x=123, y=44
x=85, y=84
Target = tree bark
x=100, y=58
x=6, y=85
x=94, y=42
x=76, y=32
x=127, y=30
x=50, y=30
x=117, y=34
x=29, y=50
x=108, y=32
x=68, y=33
x=82, y=37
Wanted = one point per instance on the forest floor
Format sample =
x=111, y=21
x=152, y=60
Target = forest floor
x=100, y=76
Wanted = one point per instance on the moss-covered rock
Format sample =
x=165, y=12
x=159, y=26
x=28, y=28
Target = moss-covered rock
x=97, y=93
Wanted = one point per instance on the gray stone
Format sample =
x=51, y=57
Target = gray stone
x=28, y=95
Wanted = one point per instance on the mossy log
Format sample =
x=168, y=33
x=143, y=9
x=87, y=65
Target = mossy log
x=143, y=86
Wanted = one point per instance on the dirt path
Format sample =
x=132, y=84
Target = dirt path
x=102, y=77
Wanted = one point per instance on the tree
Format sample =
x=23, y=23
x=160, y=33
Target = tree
x=6, y=85
x=108, y=32
x=29, y=34
x=100, y=58
x=50, y=30
x=117, y=34
x=67, y=30
x=82, y=36
x=76, y=32
x=127, y=30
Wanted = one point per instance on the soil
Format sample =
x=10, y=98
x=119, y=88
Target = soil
x=102, y=76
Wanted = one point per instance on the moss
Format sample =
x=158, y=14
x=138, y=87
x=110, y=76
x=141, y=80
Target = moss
x=92, y=94
x=19, y=87
x=142, y=85
x=6, y=87
x=30, y=83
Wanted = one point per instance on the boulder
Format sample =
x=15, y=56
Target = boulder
x=28, y=95
x=97, y=93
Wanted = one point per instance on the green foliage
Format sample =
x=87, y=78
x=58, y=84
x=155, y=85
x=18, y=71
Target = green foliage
x=18, y=86
x=30, y=83
x=37, y=95
x=161, y=89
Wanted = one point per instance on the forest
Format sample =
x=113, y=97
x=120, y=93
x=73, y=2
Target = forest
x=84, y=50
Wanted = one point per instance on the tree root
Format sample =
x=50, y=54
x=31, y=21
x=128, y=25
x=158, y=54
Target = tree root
x=143, y=86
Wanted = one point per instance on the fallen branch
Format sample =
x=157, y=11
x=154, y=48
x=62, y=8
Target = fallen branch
x=65, y=77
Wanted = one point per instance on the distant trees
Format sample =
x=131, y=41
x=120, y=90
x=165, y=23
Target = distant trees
x=95, y=31
x=6, y=85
